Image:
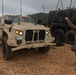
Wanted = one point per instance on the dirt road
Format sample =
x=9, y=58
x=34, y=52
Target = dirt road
x=58, y=61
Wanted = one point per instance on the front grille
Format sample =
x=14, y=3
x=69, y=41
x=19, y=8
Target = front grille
x=35, y=35
x=41, y=34
x=29, y=35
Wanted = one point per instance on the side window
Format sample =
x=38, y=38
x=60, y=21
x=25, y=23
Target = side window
x=10, y=18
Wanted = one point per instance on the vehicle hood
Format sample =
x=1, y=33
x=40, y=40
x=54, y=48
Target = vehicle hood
x=29, y=26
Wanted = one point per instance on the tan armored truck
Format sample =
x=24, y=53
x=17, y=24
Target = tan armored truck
x=19, y=32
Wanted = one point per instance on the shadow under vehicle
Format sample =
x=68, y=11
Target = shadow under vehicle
x=19, y=32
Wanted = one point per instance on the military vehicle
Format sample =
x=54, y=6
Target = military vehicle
x=19, y=32
x=58, y=25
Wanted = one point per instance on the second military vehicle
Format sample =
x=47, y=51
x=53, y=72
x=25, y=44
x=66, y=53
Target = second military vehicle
x=58, y=25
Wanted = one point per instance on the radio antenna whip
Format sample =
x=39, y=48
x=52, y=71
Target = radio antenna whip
x=2, y=8
x=70, y=3
x=20, y=7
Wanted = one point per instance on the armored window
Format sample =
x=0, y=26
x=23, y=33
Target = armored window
x=14, y=18
x=26, y=19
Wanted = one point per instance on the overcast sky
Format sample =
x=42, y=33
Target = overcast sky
x=32, y=6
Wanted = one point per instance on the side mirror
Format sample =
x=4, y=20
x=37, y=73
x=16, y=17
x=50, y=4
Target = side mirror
x=8, y=21
x=39, y=21
x=2, y=21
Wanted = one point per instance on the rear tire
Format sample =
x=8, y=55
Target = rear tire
x=70, y=37
x=6, y=49
x=59, y=37
x=44, y=49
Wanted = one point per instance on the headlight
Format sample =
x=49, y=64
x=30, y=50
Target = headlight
x=47, y=32
x=19, y=32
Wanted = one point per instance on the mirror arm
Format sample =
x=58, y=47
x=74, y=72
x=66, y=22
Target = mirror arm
x=10, y=28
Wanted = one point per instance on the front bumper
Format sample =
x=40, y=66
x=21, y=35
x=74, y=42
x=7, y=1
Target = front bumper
x=35, y=45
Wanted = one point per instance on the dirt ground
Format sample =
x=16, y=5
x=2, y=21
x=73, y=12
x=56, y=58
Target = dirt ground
x=58, y=61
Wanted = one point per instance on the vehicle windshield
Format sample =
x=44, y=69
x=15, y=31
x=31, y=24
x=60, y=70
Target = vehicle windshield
x=26, y=19
x=14, y=18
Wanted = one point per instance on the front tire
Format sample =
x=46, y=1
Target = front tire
x=44, y=49
x=6, y=49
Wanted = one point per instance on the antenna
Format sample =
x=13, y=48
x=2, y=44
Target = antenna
x=61, y=4
x=44, y=8
x=57, y=4
x=20, y=7
x=2, y=8
x=70, y=3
